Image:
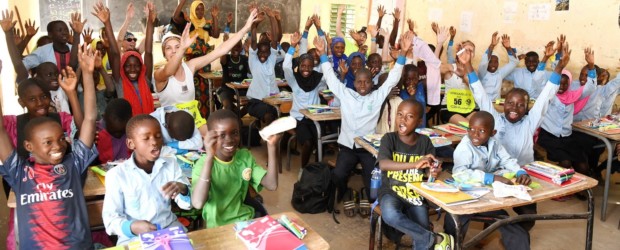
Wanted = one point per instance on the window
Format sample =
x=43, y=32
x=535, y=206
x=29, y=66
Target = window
x=347, y=21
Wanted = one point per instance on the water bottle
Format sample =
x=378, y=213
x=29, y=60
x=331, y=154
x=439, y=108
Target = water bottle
x=375, y=184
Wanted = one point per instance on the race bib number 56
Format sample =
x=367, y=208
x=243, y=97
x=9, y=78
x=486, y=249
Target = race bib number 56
x=460, y=101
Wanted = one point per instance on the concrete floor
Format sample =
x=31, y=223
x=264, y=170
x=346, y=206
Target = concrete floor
x=353, y=233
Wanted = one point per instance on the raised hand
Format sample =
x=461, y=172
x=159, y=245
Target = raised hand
x=186, y=40
x=70, y=38
x=319, y=44
x=372, y=30
x=276, y=14
x=396, y=14
x=560, y=42
x=215, y=11
x=98, y=61
x=589, y=53
x=268, y=11
x=251, y=19
x=130, y=11
x=229, y=17
x=494, y=39
x=86, y=57
x=343, y=67
x=363, y=49
x=317, y=21
x=17, y=36
x=411, y=25
x=76, y=24
x=406, y=41
x=309, y=23
x=210, y=141
x=67, y=79
x=549, y=50
x=452, y=32
x=506, y=41
x=150, y=11
x=7, y=22
x=88, y=35
x=442, y=35
x=341, y=9
x=356, y=36
x=565, y=58
x=101, y=12
x=381, y=11
x=435, y=27
x=260, y=17
x=31, y=28
x=295, y=38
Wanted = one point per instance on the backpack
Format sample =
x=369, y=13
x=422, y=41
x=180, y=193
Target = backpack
x=314, y=191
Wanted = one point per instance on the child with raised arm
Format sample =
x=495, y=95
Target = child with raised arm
x=306, y=85
x=484, y=160
x=556, y=134
x=402, y=156
x=360, y=112
x=490, y=75
x=139, y=192
x=50, y=203
x=221, y=178
x=131, y=74
x=174, y=81
x=262, y=62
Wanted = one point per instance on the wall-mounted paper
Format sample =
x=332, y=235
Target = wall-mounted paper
x=538, y=11
x=466, y=18
x=510, y=11
x=435, y=14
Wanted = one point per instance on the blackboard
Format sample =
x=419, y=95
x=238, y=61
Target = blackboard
x=290, y=11
x=57, y=10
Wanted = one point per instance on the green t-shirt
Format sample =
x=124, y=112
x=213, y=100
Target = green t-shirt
x=229, y=186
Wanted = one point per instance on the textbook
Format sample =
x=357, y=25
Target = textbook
x=320, y=108
x=448, y=199
x=452, y=129
x=173, y=238
x=267, y=233
x=551, y=173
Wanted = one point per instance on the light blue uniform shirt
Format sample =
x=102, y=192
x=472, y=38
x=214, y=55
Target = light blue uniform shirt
x=483, y=162
x=193, y=143
x=42, y=54
x=131, y=194
x=359, y=113
x=492, y=82
x=517, y=138
x=603, y=96
x=263, y=75
x=301, y=98
x=530, y=82
x=559, y=116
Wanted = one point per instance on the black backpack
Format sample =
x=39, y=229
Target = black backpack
x=314, y=191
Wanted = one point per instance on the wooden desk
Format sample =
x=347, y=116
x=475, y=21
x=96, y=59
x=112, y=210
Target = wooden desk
x=610, y=142
x=92, y=187
x=210, y=76
x=316, y=118
x=489, y=202
x=276, y=102
x=224, y=237
x=244, y=85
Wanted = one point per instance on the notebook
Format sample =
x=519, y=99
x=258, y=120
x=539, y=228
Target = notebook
x=173, y=238
x=267, y=233
x=452, y=129
x=448, y=199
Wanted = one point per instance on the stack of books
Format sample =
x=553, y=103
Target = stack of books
x=551, y=173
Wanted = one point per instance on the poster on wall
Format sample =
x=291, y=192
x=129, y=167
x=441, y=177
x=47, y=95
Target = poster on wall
x=538, y=12
x=466, y=18
x=561, y=5
x=510, y=11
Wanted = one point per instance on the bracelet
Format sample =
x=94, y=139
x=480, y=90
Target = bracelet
x=205, y=180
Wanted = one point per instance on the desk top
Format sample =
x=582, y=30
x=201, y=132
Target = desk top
x=247, y=85
x=275, y=101
x=331, y=116
x=583, y=127
x=224, y=237
x=92, y=187
x=489, y=202
x=211, y=75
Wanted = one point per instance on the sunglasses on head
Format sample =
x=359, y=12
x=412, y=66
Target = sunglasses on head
x=131, y=39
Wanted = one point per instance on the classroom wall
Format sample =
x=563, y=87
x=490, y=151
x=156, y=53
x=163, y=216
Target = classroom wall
x=585, y=24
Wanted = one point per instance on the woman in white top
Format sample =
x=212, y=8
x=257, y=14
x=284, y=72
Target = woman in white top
x=175, y=83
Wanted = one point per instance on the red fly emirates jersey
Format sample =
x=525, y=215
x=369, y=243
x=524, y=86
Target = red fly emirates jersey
x=51, y=211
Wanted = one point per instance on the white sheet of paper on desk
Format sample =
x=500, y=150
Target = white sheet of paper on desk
x=501, y=190
x=278, y=126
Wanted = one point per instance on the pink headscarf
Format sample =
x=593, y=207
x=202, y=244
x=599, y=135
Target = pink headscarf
x=572, y=96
